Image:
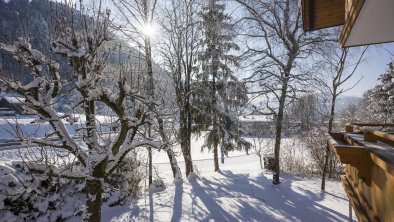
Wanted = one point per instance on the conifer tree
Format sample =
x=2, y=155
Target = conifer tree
x=218, y=93
x=380, y=99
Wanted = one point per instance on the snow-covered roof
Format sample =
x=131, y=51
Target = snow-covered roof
x=254, y=118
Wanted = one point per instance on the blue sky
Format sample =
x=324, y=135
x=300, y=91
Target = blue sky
x=376, y=60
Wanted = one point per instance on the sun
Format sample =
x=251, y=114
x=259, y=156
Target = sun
x=148, y=30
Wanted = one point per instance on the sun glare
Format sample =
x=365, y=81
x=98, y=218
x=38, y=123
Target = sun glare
x=149, y=30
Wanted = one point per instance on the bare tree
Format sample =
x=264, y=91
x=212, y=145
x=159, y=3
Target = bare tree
x=261, y=146
x=80, y=39
x=179, y=48
x=283, y=45
x=139, y=18
x=342, y=71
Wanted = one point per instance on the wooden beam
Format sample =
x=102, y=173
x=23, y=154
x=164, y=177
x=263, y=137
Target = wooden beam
x=353, y=8
x=373, y=124
x=362, y=209
x=306, y=19
x=347, y=154
x=372, y=135
x=318, y=14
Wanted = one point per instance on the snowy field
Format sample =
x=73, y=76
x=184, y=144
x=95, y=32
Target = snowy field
x=239, y=192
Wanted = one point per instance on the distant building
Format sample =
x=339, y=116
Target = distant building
x=256, y=125
x=12, y=103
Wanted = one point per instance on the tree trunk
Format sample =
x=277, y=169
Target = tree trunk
x=90, y=123
x=188, y=142
x=187, y=156
x=261, y=162
x=93, y=201
x=331, y=165
x=222, y=155
x=330, y=125
x=185, y=137
x=149, y=88
x=214, y=70
x=323, y=179
x=216, y=157
x=176, y=172
x=150, y=166
x=189, y=162
x=185, y=147
x=93, y=186
x=278, y=134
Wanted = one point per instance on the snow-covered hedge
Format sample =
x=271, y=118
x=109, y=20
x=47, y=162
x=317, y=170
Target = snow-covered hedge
x=32, y=196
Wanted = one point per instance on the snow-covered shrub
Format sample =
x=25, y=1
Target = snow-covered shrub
x=295, y=158
x=157, y=185
x=196, y=170
x=125, y=182
x=315, y=143
x=30, y=197
x=27, y=197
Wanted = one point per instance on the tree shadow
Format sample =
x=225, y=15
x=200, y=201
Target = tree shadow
x=216, y=212
x=151, y=208
x=229, y=196
x=177, y=211
x=258, y=199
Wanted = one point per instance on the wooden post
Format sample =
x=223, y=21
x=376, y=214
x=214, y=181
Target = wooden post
x=349, y=128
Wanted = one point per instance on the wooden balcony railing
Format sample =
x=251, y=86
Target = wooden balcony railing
x=368, y=153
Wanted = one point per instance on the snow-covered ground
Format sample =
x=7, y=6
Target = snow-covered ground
x=239, y=192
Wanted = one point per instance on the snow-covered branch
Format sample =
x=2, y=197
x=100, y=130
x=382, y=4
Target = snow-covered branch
x=126, y=148
x=43, y=168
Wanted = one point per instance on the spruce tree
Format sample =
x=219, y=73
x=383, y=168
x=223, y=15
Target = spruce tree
x=379, y=100
x=218, y=94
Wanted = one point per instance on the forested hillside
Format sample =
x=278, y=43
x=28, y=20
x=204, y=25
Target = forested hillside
x=32, y=19
x=24, y=18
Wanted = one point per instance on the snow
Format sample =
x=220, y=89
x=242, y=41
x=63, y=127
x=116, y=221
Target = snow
x=240, y=191
x=61, y=47
x=255, y=118
x=32, y=125
x=13, y=100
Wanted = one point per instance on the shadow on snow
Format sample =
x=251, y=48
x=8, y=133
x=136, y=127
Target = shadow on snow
x=237, y=197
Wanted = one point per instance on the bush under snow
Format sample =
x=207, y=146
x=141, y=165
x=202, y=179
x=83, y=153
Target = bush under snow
x=34, y=196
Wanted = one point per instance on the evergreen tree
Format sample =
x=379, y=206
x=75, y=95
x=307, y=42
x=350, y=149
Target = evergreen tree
x=379, y=101
x=387, y=80
x=218, y=93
